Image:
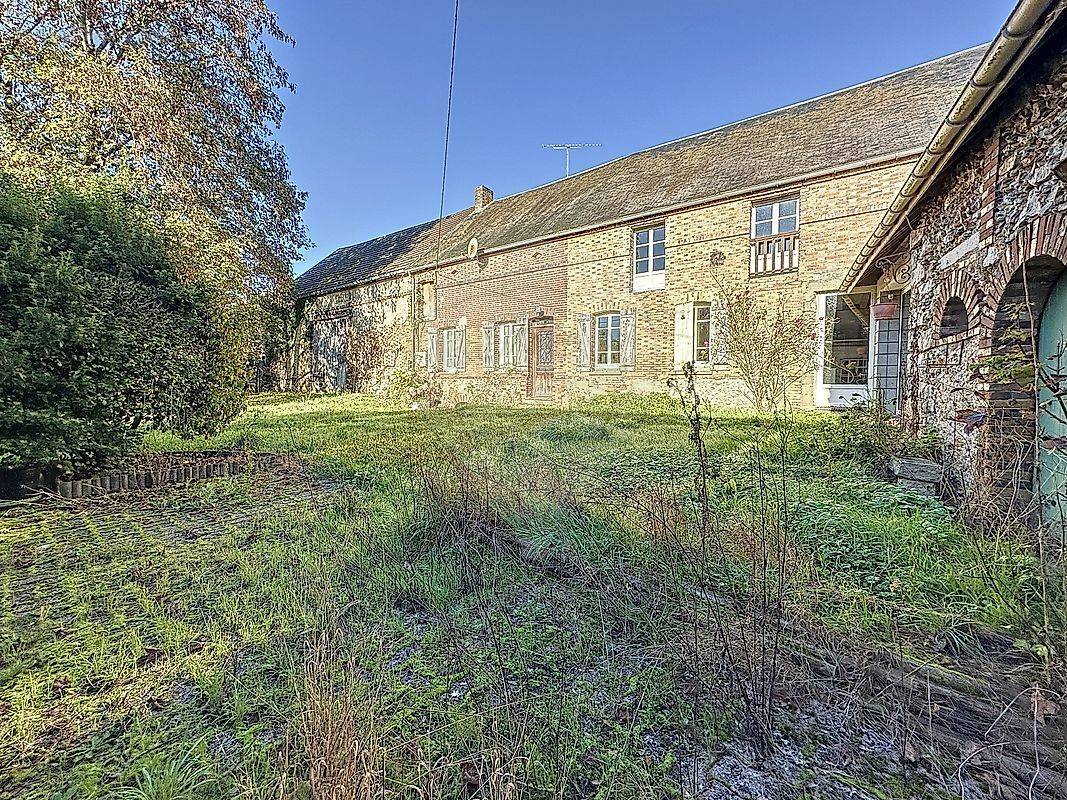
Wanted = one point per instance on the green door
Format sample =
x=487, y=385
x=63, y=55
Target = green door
x=1052, y=417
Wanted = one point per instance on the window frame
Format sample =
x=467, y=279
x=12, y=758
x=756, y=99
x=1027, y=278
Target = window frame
x=450, y=336
x=697, y=322
x=775, y=218
x=609, y=351
x=651, y=277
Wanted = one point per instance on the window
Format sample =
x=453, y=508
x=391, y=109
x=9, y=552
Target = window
x=650, y=250
x=774, y=237
x=452, y=339
x=772, y=219
x=848, y=331
x=702, y=334
x=608, y=336
x=507, y=344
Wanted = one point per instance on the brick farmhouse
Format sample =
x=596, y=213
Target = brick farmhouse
x=608, y=280
x=920, y=220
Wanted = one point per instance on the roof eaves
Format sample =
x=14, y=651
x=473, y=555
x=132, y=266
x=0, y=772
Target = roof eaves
x=1018, y=37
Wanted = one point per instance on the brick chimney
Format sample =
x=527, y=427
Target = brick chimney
x=483, y=196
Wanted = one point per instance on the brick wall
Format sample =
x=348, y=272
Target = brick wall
x=591, y=272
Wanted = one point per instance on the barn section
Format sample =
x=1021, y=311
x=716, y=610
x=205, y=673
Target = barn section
x=972, y=252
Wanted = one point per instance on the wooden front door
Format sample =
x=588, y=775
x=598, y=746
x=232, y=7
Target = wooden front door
x=542, y=360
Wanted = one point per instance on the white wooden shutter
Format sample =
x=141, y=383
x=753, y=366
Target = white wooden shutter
x=431, y=349
x=487, y=346
x=461, y=348
x=720, y=352
x=522, y=340
x=683, y=334
x=627, y=339
x=585, y=341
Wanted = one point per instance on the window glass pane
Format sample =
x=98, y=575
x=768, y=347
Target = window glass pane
x=787, y=224
x=763, y=212
x=658, y=264
x=787, y=208
x=602, y=322
x=659, y=248
x=659, y=234
x=642, y=237
x=763, y=229
x=642, y=251
x=641, y=267
x=847, y=339
x=703, y=312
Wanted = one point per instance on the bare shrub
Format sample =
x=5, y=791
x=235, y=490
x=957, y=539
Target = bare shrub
x=769, y=346
x=748, y=622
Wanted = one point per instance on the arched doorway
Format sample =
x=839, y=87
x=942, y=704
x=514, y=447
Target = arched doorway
x=1052, y=406
x=1011, y=464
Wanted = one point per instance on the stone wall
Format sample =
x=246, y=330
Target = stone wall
x=364, y=334
x=996, y=215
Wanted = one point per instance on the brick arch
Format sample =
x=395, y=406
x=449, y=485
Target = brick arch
x=1020, y=284
x=959, y=284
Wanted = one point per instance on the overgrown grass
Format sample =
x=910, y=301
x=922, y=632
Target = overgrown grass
x=469, y=602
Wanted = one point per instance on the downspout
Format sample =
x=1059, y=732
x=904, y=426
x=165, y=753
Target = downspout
x=996, y=68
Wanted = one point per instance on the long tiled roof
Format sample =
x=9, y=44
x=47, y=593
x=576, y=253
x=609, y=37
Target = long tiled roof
x=876, y=119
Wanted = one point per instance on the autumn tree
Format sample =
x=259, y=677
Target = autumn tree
x=178, y=100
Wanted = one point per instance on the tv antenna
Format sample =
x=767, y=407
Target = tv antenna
x=566, y=148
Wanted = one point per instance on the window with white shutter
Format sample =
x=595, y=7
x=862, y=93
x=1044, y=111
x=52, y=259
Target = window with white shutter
x=487, y=346
x=608, y=341
x=452, y=349
x=431, y=349
x=509, y=340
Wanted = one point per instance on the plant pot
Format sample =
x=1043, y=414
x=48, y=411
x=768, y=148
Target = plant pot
x=886, y=310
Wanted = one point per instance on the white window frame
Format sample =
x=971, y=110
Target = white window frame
x=450, y=349
x=614, y=320
x=652, y=278
x=839, y=395
x=506, y=350
x=775, y=218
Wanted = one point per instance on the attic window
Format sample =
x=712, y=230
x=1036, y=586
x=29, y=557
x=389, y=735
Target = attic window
x=954, y=318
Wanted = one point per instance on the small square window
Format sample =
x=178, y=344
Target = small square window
x=772, y=219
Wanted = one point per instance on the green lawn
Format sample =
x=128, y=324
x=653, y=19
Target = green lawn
x=453, y=603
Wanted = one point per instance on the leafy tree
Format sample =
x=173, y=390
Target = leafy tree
x=99, y=337
x=179, y=99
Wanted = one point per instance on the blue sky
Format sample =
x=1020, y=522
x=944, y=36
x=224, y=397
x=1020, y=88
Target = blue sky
x=364, y=131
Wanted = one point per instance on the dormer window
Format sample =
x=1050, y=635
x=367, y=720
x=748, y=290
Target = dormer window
x=649, y=257
x=775, y=236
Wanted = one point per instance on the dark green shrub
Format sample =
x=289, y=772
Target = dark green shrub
x=99, y=337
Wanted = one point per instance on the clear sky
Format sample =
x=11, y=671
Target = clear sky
x=364, y=131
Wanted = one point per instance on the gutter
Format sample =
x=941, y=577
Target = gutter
x=1018, y=37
